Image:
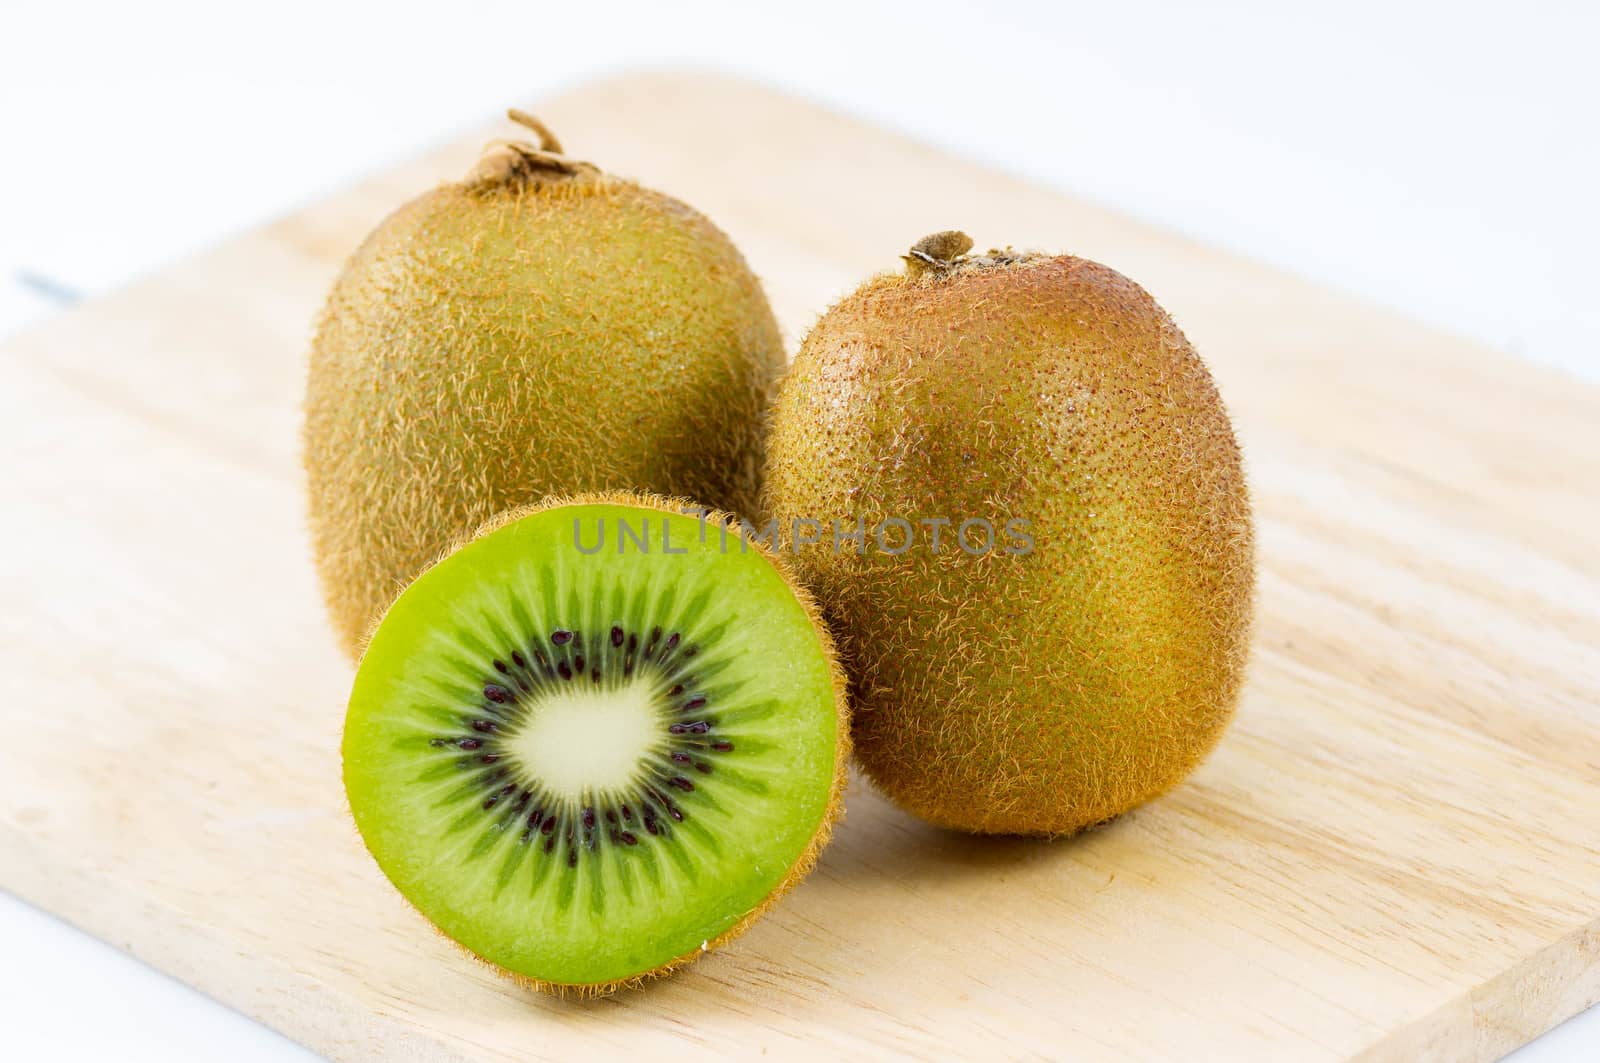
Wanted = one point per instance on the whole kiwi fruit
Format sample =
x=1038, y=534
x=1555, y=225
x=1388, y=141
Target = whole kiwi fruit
x=1012, y=485
x=593, y=742
x=539, y=327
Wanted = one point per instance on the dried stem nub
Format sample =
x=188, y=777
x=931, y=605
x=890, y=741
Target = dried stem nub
x=516, y=162
x=937, y=252
x=547, y=139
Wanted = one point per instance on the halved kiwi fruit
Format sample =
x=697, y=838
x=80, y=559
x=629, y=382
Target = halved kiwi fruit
x=597, y=740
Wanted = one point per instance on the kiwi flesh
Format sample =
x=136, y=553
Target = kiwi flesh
x=540, y=327
x=597, y=740
x=1092, y=655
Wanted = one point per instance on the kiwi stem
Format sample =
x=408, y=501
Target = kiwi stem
x=937, y=252
x=547, y=139
x=511, y=163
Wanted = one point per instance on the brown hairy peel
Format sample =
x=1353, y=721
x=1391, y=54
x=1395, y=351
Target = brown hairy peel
x=1036, y=694
x=541, y=327
x=807, y=860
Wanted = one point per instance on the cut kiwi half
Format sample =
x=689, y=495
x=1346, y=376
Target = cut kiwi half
x=597, y=740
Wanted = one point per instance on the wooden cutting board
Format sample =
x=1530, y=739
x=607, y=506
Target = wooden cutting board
x=1395, y=852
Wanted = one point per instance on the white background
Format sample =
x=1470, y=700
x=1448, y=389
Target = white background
x=1442, y=158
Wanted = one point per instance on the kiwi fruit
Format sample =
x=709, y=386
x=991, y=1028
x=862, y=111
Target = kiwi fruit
x=1029, y=528
x=540, y=327
x=597, y=740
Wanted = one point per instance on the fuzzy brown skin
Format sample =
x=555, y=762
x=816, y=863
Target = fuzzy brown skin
x=807, y=860
x=1035, y=694
x=533, y=330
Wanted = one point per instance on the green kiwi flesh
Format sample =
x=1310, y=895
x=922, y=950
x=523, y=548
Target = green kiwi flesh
x=589, y=767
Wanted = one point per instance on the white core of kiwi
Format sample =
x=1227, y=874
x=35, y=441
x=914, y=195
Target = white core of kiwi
x=587, y=741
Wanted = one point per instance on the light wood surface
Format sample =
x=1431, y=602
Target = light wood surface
x=1394, y=854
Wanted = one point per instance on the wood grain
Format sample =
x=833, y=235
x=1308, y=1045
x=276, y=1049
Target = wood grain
x=1395, y=853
